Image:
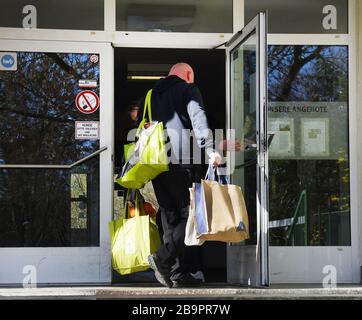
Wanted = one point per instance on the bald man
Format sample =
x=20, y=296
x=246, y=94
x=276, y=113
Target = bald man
x=177, y=102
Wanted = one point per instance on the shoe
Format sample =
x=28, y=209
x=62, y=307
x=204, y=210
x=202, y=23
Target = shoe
x=198, y=275
x=161, y=274
x=187, y=281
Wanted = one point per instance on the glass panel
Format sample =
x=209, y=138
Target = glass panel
x=78, y=190
x=172, y=16
x=54, y=14
x=309, y=156
x=47, y=208
x=243, y=121
x=296, y=16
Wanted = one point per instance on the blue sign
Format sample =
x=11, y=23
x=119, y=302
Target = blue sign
x=7, y=61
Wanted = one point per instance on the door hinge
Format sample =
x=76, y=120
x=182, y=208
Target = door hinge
x=263, y=149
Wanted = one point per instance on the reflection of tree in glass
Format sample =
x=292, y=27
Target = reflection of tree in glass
x=79, y=201
x=37, y=102
x=308, y=73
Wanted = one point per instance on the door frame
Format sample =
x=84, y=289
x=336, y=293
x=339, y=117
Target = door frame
x=258, y=26
x=79, y=264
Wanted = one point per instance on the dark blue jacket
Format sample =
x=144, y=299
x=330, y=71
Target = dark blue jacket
x=179, y=106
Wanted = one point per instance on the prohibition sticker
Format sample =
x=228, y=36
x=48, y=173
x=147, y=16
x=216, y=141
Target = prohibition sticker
x=87, y=101
x=94, y=58
x=87, y=130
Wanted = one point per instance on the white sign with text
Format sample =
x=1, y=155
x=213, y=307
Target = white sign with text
x=87, y=130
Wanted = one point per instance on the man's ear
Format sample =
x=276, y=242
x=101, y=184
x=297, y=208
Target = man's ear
x=189, y=76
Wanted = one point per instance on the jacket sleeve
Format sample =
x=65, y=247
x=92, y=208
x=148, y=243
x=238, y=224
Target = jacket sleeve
x=200, y=126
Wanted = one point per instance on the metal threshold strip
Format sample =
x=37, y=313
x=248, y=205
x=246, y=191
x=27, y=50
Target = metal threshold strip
x=52, y=166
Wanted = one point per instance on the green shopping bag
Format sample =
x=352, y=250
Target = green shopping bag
x=147, y=158
x=133, y=240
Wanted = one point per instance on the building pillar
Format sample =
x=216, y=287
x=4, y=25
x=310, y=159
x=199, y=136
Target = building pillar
x=359, y=114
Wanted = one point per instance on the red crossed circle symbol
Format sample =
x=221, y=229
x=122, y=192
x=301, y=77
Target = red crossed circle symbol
x=87, y=101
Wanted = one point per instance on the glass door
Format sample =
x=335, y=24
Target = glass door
x=247, y=262
x=55, y=162
x=311, y=216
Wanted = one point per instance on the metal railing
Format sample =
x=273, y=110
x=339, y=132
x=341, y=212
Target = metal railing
x=302, y=204
x=52, y=166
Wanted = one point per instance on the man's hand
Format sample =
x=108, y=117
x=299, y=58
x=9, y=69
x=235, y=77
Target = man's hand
x=215, y=159
x=230, y=145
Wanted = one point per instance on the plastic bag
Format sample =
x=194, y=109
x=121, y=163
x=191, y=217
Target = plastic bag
x=133, y=240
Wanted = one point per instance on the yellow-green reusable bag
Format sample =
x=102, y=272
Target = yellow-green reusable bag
x=147, y=158
x=133, y=240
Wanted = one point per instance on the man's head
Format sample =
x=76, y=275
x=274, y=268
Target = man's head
x=133, y=109
x=183, y=71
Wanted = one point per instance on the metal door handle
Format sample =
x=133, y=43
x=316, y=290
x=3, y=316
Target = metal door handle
x=250, y=146
x=246, y=164
x=52, y=166
x=271, y=136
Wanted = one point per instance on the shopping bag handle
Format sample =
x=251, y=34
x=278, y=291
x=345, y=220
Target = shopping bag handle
x=213, y=174
x=137, y=201
x=137, y=204
x=146, y=108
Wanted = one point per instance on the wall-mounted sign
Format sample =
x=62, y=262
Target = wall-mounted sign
x=87, y=130
x=8, y=61
x=84, y=83
x=87, y=101
x=303, y=130
x=315, y=137
x=283, y=141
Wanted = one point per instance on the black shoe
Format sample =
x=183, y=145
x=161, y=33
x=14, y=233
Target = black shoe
x=161, y=274
x=187, y=281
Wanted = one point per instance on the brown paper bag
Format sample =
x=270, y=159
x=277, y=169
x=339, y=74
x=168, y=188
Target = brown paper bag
x=226, y=211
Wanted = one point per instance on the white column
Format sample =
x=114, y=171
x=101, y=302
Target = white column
x=109, y=15
x=359, y=113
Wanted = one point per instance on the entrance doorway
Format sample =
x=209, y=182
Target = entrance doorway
x=241, y=108
x=136, y=71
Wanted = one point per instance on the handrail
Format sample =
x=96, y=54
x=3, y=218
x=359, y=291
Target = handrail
x=52, y=166
x=247, y=164
x=302, y=198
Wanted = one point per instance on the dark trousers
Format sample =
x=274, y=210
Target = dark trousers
x=171, y=189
